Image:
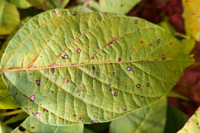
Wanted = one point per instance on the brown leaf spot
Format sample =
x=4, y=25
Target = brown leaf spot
x=79, y=118
x=197, y=123
x=124, y=110
x=37, y=82
x=24, y=95
x=110, y=89
x=150, y=44
x=53, y=70
x=128, y=68
x=147, y=84
x=74, y=14
x=121, y=5
x=158, y=40
x=93, y=68
x=119, y=59
x=113, y=39
x=135, y=21
x=78, y=50
x=115, y=94
x=67, y=80
x=138, y=85
x=32, y=127
x=32, y=98
x=37, y=115
x=52, y=91
x=74, y=115
x=94, y=121
x=163, y=57
x=16, y=93
x=45, y=110
x=79, y=90
x=65, y=57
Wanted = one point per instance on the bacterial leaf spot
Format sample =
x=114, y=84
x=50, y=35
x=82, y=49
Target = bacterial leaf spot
x=65, y=57
x=45, y=110
x=79, y=118
x=74, y=14
x=78, y=50
x=37, y=82
x=138, y=85
x=124, y=110
x=110, y=89
x=37, y=115
x=158, y=40
x=67, y=80
x=74, y=115
x=119, y=59
x=52, y=91
x=115, y=94
x=197, y=123
x=128, y=68
x=32, y=98
x=32, y=127
x=150, y=44
x=79, y=90
x=94, y=121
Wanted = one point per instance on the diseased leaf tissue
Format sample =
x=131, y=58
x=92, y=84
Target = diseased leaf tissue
x=89, y=66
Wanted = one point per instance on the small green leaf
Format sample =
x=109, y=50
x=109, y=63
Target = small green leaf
x=81, y=9
x=150, y=119
x=192, y=125
x=172, y=93
x=19, y=3
x=191, y=16
x=168, y=27
x=17, y=118
x=113, y=6
x=10, y=19
x=5, y=129
x=188, y=45
x=31, y=124
x=175, y=119
x=48, y=4
x=71, y=67
x=2, y=4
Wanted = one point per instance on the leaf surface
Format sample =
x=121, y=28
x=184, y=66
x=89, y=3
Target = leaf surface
x=192, y=125
x=191, y=16
x=173, y=93
x=2, y=4
x=5, y=129
x=31, y=124
x=150, y=119
x=48, y=4
x=71, y=67
x=10, y=19
x=175, y=119
x=81, y=9
x=188, y=45
x=20, y=3
x=6, y=100
x=116, y=6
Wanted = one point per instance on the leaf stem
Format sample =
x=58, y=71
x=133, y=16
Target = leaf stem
x=182, y=35
x=12, y=112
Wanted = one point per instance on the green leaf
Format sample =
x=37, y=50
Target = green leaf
x=191, y=18
x=20, y=3
x=31, y=124
x=81, y=9
x=188, y=45
x=5, y=129
x=49, y=4
x=150, y=119
x=2, y=4
x=17, y=118
x=175, y=119
x=168, y=27
x=116, y=6
x=192, y=125
x=6, y=100
x=71, y=67
x=172, y=93
x=10, y=19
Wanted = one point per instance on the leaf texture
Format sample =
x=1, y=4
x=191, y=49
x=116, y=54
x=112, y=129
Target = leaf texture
x=67, y=67
x=10, y=19
x=31, y=124
x=191, y=16
x=192, y=125
x=116, y=6
x=48, y=4
x=2, y=4
x=150, y=119
x=23, y=4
